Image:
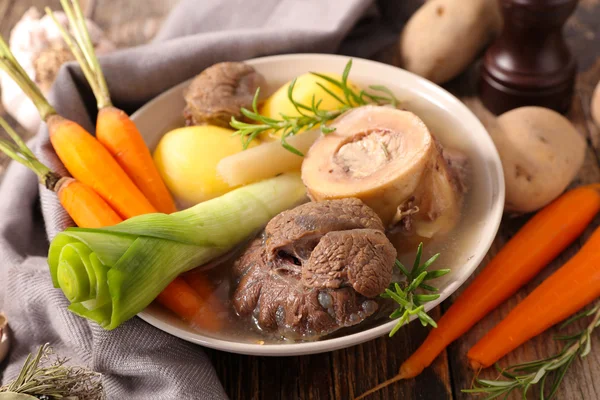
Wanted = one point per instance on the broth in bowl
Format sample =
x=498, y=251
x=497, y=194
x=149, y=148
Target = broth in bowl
x=260, y=293
x=462, y=237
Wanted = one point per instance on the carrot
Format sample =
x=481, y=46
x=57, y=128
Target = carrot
x=103, y=187
x=118, y=133
x=83, y=156
x=120, y=136
x=83, y=204
x=536, y=244
x=114, y=129
x=570, y=288
x=199, y=282
x=183, y=300
x=89, y=162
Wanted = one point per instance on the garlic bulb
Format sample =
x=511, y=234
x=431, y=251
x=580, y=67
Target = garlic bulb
x=39, y=47
x=4, y=340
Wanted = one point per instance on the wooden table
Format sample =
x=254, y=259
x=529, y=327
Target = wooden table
x=347, y=373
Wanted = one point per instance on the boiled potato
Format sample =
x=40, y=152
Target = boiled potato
x=541, y=152
x=187, y=160
x=306, y=86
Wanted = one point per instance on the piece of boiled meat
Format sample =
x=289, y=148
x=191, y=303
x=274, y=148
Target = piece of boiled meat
x=388, y=158
x=315, y=269
x=219, y=92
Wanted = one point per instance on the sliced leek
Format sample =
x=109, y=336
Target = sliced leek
x=111, y=274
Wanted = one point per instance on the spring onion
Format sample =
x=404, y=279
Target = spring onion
x=111, y=274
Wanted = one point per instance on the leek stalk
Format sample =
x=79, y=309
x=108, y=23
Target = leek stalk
x=110, y=274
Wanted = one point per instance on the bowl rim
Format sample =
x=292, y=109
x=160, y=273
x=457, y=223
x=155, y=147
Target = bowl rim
x=293, y=349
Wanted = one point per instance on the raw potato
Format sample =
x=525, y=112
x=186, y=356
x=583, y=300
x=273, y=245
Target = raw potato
x=444, y=36
x=596, y=105
x=541, y=153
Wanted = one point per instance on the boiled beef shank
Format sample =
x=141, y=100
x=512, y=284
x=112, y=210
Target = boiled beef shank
x=387, y=158
x=315, y=269
x=219, y=92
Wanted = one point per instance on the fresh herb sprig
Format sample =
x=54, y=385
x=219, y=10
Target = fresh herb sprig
x=405, y=294
x=310, y=115
x=548, y=372
x=37, y=379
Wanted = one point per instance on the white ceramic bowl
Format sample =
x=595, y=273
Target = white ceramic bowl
x=446, y=117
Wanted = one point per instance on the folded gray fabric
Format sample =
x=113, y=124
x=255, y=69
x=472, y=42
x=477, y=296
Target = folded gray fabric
x=137, y=360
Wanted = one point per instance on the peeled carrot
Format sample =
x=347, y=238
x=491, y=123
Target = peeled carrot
x=85, y=158
x=118, y=133
x=83, y=204
x=200, y=283
x=120, y=138
x=536, y=244
x=570, y=288
x=183, y=300
x=89, y=162
x=114, y=129
x=212, y=307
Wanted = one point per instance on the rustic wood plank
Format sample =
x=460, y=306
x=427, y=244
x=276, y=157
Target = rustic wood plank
x=341, y=374
x=582, y=33
x=575, y=386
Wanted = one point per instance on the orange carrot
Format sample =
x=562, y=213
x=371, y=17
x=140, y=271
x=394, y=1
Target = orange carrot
x=536, y=244
x=83, y=204
x=199, y=281
x=114, y=129
x=85, y=158
x=118, y=133
x=89, y=162
x=180, y=298
x=87, y=209
x=570, y=288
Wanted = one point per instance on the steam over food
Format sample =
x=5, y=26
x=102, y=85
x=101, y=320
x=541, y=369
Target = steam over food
x=388, y=159
x=315, y=269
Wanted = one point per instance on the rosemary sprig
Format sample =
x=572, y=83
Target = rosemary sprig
x=54, y=381
x=310, y=115
x=412, y=303
x=548, y=372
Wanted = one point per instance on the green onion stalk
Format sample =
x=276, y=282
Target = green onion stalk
x=111, y=274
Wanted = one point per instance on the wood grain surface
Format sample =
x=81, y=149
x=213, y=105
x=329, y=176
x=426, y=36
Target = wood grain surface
x=346, y=373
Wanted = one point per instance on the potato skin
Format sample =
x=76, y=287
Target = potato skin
x=541, y=152
x=444, y=36
x=596, y=105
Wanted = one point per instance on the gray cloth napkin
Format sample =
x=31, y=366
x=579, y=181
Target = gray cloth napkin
x=137, y=360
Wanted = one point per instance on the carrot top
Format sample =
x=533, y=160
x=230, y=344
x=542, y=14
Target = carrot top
x=11, y=66
x=19, y=152
x=82, y=48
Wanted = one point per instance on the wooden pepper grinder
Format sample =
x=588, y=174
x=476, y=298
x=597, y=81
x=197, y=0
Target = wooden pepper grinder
x=529, y=63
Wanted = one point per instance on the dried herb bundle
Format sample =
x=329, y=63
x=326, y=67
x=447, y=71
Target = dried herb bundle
x=45, y=376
